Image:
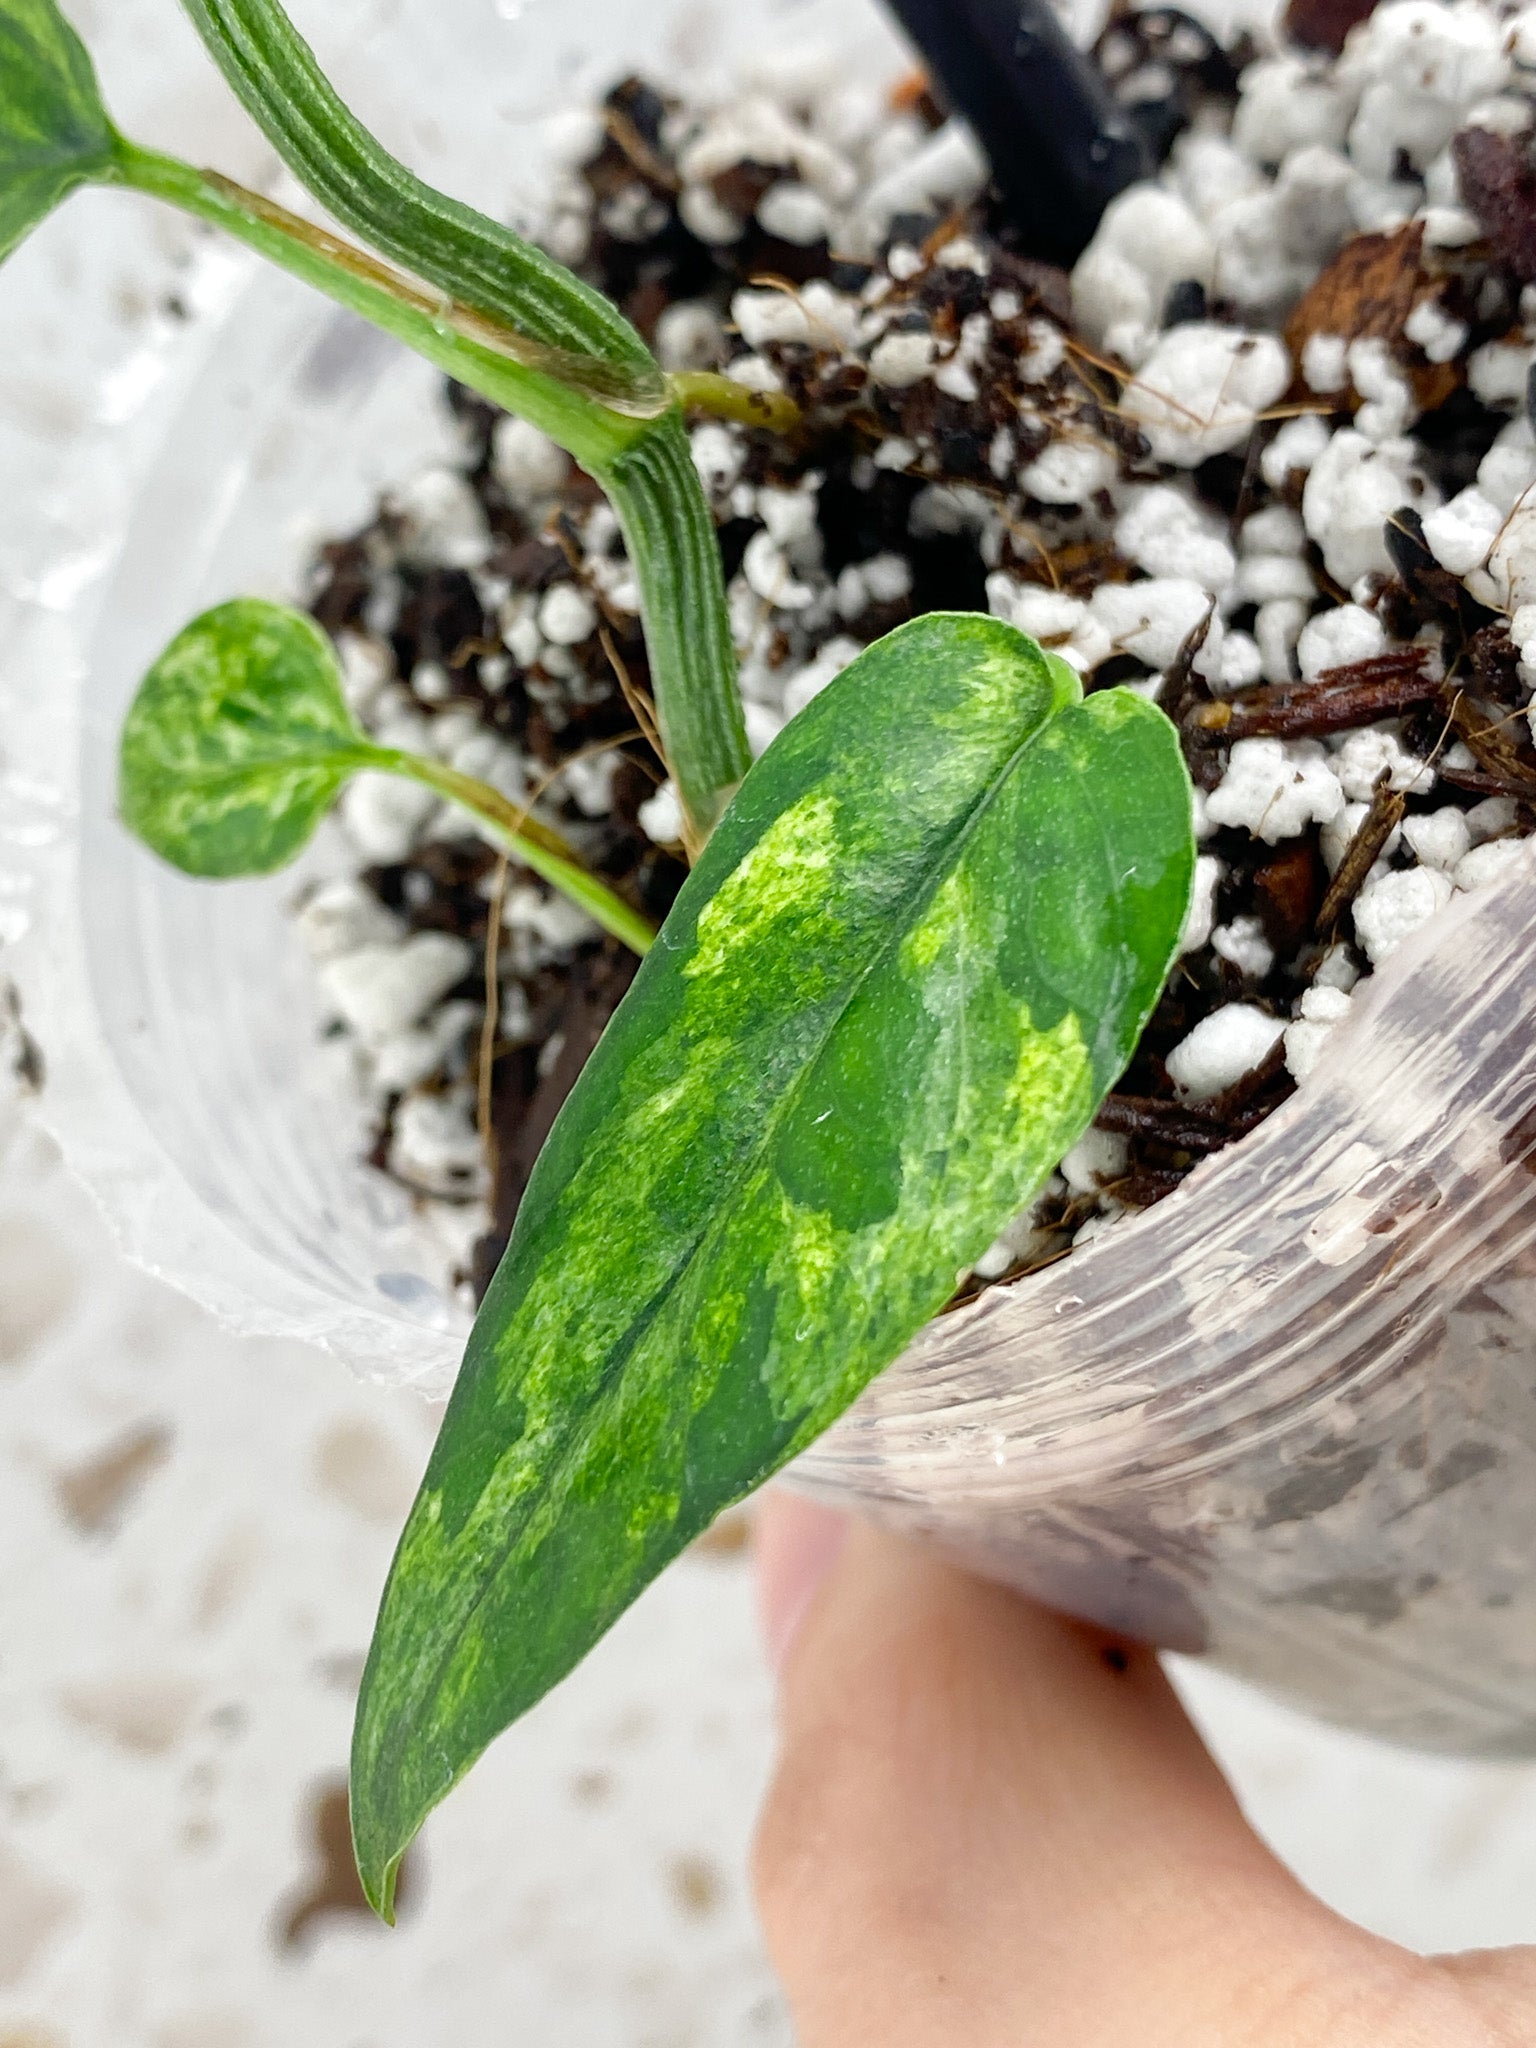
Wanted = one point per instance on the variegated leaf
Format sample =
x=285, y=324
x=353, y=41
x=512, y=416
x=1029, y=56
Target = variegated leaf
x=918, y=950
x=238, y=741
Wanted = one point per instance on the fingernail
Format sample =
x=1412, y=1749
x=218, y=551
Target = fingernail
x=797, y=1543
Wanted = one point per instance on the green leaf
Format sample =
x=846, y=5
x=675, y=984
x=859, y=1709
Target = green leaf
x=238, y=742
x=918, y=950
x=54, y=131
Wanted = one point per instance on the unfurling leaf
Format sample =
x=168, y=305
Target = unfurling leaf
x=238, y=742
x=917, y=952
x=54, y=131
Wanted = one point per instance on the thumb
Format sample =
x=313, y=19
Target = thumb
x=993, y=1827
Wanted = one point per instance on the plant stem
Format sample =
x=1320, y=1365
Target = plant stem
x=485, y=269
x=643, y=463
x=530, y=842
x=464, y=344
x=670, y=534
x=469, y=256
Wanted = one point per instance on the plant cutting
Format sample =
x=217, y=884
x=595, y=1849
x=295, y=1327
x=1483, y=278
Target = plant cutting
x=1257, y=1409
x=913, y=956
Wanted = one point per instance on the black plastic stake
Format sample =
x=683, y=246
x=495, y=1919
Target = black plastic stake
x=1060, y=147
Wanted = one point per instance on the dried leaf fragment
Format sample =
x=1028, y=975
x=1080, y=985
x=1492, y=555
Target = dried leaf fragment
x=1368, y=292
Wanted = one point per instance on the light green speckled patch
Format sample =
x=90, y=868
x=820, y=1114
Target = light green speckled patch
x=777, y=879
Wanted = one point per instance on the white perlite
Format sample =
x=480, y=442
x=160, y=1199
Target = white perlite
x=1395, y=903
x=1351, y=492
x=762, y=317
x=1243, y=944
x=408, y=1058
x=1361, y=759
x=1097, y=1158
x=1069, y=472
x=1201, y=915
x=718, y=456
x=1324, y=362
x=1461, y=533
x=436, y=1145
x=1153, y=619
x=1221, y=1049
x=1439, y=839
x=380, y=990
x=661, y=816
x=1148, y=240
x=1163, y=532
x=384, y=815
x=555, y=920
x=1441, y=337
x=794, y=213
x=567, y=616
x=689, y=337
x=342, y=917
x=445, y=526
x=526, y=463
x=1490, y=863
x=1201, y=389
x=1275, y=789
x=1345, y=634
x=901, y=360
x=1322, y=1010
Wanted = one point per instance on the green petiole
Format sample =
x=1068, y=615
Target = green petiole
x=639, y=454
x=535, y=846
x=707, y=391
x=468, y=347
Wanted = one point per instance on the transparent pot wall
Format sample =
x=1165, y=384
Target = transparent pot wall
x=1287, y=1417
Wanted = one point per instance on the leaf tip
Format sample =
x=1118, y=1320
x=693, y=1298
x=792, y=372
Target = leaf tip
x=380, y=1893
x=378, y=1867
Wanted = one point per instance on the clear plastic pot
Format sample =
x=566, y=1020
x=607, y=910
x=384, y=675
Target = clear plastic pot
x=1287, y=1418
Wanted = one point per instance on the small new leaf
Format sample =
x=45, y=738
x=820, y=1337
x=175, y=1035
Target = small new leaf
x=238, y=742
x=917, y=952
x=54, y=131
